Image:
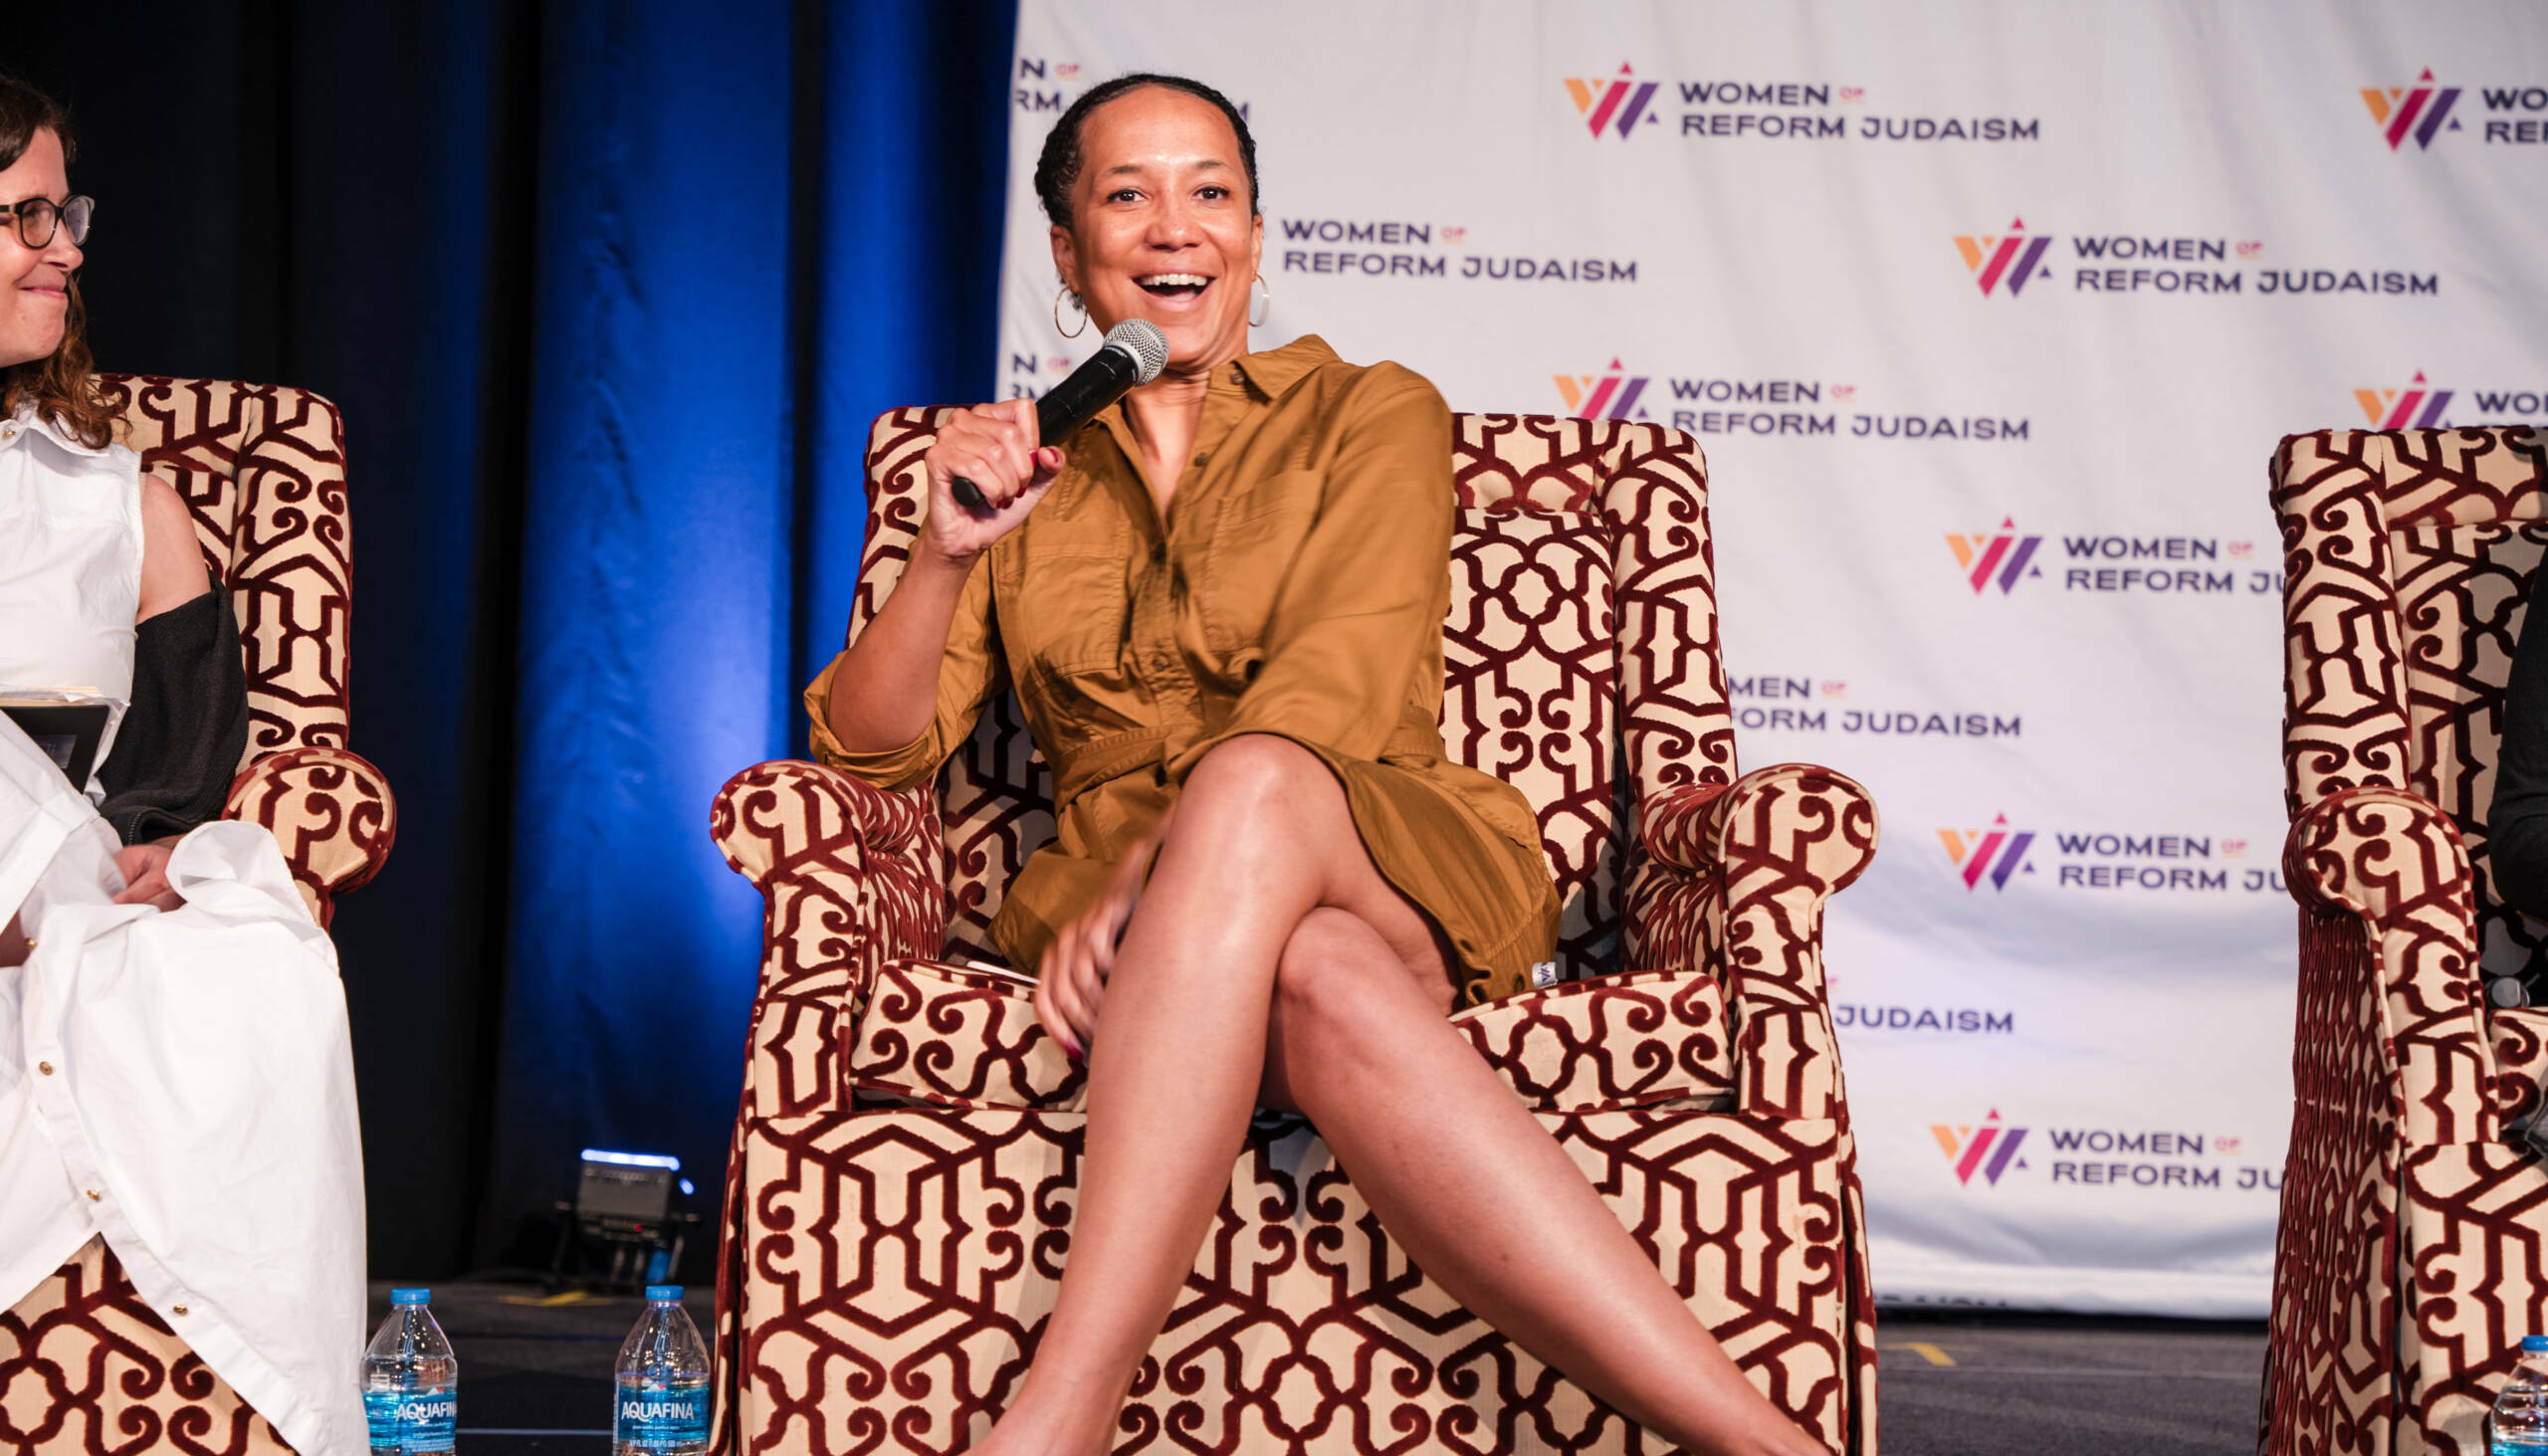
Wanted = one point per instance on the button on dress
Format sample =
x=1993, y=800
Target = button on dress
x=1296, y=588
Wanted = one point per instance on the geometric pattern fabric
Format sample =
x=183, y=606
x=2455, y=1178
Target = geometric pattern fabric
x=2413, y=1251
x=899, y=1196
x=262, y=468
x=86, y=1368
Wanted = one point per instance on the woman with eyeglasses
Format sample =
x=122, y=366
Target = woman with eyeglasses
x=180, y=1176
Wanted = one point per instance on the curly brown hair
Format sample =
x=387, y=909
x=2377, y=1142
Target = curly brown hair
x=63, y=383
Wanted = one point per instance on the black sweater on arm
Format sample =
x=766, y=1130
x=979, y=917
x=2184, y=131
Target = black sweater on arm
x=188, y=726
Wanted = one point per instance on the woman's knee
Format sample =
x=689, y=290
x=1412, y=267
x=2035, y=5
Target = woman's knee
x=1255, y=774
x=1330, y=971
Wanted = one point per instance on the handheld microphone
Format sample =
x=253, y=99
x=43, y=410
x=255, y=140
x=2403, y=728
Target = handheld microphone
x=1134, y=354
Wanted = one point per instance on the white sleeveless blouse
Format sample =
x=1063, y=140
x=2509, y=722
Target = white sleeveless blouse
x=70, y=563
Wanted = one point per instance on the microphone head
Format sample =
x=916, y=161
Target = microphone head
x=1142, y=339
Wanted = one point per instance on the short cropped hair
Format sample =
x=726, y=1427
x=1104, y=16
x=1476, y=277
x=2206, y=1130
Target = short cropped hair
x=1057, y=169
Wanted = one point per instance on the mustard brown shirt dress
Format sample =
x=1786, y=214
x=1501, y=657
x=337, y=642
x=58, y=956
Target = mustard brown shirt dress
x=1296, y=588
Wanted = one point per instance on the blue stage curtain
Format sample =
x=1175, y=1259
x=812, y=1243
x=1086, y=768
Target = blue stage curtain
x=745, y=251
x=900, y=310
x=657, y=568
x=607, y=292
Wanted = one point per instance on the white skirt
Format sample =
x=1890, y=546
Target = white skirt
x=182, y=1084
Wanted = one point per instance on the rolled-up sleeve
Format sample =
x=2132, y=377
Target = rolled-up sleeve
x=1365, y=598
x=967, y=676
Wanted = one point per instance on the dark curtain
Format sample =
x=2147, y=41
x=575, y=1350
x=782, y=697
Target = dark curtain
x=607, y=290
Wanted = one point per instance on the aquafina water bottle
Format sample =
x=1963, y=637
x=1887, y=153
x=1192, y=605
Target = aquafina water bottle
x=2521, y=1411
x=410, y=1382
x=662, y=1405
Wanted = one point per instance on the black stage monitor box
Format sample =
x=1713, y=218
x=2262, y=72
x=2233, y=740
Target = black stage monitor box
x=625, y=1191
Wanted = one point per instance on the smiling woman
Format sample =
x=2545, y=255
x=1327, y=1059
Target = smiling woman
x=1229, y=227
x=44, y=356
x=109, y=592
x=180, y=1181
x=1221, y=603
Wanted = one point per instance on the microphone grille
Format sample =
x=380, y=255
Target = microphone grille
x=1141, y=338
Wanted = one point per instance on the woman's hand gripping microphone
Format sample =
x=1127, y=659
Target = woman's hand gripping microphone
x=993, y=446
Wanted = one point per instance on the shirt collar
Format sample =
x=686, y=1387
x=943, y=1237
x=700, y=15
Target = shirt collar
x=26, y=420
x=1266, y=376
x=1276, y=371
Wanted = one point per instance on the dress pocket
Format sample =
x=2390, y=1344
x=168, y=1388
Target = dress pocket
x=1259, y=535
x=1067, y=612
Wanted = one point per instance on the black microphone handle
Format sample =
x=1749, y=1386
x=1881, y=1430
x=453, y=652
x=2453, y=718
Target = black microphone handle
x=1065, y=407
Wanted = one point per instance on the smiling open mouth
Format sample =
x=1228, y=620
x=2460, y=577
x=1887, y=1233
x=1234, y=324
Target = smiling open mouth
x=1173, y=285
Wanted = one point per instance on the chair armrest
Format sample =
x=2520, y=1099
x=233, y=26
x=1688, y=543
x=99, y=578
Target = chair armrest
x=850, y=872
x=329, y=809
x=851, y=877
x=1674, y=892
x=1678, y=826
x=2389, y=962
x=1778, y=842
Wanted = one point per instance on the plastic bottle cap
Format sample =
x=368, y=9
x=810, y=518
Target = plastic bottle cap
x=401, y=1297
x=655, y=1293
x=2534, y=1344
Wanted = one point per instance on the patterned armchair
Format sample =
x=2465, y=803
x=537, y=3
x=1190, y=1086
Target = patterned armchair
x=85, y=1365
x=2415, y=1216
x=263, y=469
x=899, y=1199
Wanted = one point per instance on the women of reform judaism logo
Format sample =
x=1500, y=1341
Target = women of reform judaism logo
x=1986, y=1149
x=2396, y=108
x=1607, y=397
x=1998, y=852
x=2396, y=409
x=2009, y=258
x=1602, y=102
x=1982, y=555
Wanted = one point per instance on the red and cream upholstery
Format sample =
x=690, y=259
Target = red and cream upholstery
x=85, y=1368
x=2415, y=1215
x=263, y=469
x=899, y=1200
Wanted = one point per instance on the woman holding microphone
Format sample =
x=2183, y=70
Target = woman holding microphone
x=1221, y=604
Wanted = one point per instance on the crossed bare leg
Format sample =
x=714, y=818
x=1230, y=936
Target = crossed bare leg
x=1323, y=990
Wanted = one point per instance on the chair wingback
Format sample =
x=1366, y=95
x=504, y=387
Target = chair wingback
x=1580, y=654
x=1580, y=660
x=2407, y=558
x=263, y=469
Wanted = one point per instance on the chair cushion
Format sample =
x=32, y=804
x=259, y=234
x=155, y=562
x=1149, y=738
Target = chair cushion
x=941, y=1034
x=1653, y=1039
x=957, y=1036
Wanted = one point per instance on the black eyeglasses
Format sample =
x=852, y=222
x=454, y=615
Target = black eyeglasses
x=38, y=217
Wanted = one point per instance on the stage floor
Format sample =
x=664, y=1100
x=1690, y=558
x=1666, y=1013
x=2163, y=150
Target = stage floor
x=535, y=1379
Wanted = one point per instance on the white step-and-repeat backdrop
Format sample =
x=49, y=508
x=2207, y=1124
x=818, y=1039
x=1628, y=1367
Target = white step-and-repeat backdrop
x=1988, y=316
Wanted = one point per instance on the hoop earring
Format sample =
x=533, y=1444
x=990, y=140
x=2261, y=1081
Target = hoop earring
x=1257, y=290
x=1057, y=314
